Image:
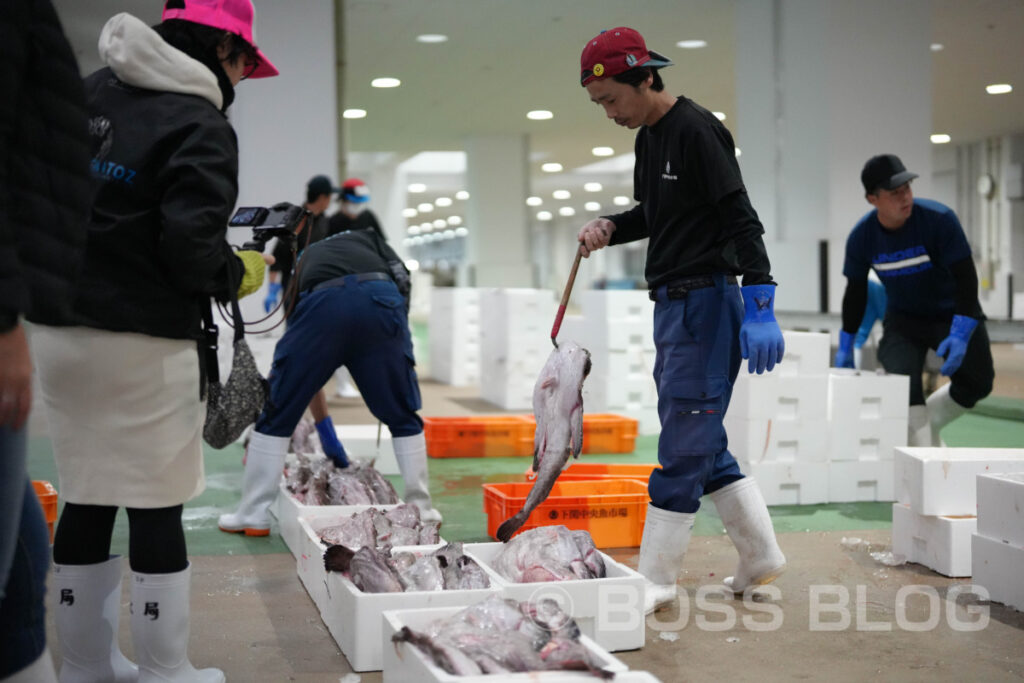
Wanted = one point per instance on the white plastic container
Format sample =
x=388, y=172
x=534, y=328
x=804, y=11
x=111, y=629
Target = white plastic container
x=360, y=441
x=609, y=610
x=288, y=510
x=860, y=481
x=853, y=439
x=807, y=353
x=941, y=481
x=937, y=542
x=777, y=441
x=790, y=483
x=866, y=395
x=999, y=567
x=1001, y=507
x=774, y=397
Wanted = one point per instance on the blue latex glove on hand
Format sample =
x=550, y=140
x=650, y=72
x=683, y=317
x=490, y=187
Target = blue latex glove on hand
x=954, y=346
x=329, y=440
x=844, y=354
x=273, y=291
x=760, y=337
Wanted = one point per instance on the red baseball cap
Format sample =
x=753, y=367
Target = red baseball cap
x=614, y=51
x=355, y=190
x=233, y=16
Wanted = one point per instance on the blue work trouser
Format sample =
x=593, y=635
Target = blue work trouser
x=698, y=358
x=361, y=325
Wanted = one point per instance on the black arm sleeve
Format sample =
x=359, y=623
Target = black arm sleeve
x=855, y=301
x=629, y=226
x=744, y=246
x=966, y=298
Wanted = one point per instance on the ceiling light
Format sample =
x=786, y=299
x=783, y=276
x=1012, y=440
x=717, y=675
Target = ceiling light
x=462, y=194
x=424, y=207
x=431, y=38
x=720, y=115
x=940, y=138
x=385, y=83
x=592, y=187
x=602, y=151
x=692, y=44
x=543, y=215
x=409, y=213
x=561, y=194
x=354, y=114
x=413, y=230
x=551, y=167
x=440, y=223
x=417, y=187
x=412, y=265
x=739, y=152
x=936, y=47
x=539, y=115
x=443, y=201
x=426, y=227
x=454, y=220
x=534, y=201
x=592, y=206
x=998, y=88
x=449, y=234
x=621, y=200
x=567, y=211
x=461, y=232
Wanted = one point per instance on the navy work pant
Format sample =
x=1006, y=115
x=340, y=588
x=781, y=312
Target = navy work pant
x=698, y=358
x=361, y=325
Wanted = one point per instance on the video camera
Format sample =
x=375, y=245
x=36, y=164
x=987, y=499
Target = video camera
x=281, y=220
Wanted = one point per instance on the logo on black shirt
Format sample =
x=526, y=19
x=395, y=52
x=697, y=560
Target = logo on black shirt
x=667, y=175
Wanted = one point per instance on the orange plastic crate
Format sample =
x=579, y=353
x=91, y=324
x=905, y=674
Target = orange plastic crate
x=47, y=496
x=612, y=510
x=478, y=436
x=606, y=433
x=594, y=470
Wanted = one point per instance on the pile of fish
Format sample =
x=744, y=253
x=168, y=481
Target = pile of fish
x=376, y=529
x=379, y=571
x=550, y=553
x=498, y=636
x=316, y=481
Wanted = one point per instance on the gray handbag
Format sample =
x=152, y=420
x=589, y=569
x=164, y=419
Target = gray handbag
x=238, y=402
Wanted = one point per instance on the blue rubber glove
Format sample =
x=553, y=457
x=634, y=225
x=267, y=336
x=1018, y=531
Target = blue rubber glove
x=273, y=290
x=329, y=440
x=844, y=354
x=954, y=346
x=760, y=337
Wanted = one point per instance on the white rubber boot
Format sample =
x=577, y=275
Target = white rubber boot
x=942, y=410
x=411, y=454
x=745, y=516
x=39, y=671
x=919, y=430
x=264, y=462
x=160, y=627
x=345, y=388
x=87, y=614
x=666, y=537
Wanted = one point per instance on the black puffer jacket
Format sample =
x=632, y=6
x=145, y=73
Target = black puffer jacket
x=44, y=164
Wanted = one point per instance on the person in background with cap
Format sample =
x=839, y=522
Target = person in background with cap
x=353, y=214
x=319, y=190
x=122, y=378
x=920, y=253
x=703, y=232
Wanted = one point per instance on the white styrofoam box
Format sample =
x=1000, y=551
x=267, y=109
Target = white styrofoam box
x=620, y=305
x=633, y=362
x=354, y=618
x=855, y=481
x=770, y=396
x=1001, y=506
x=360, y=441
x=865, y=440
x=999, y=568
x=790, y=483
x=941, y=481
x=807, y=353
x=454, y=335
x=866, y=395
x=404, y=662
x=618, y=334
x=938, y=542
x=777, y=440
x=631, y=389
x=288, y=510
x=572, y=329
x=609, y=610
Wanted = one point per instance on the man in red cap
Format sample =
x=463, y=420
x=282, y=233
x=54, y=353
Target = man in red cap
x=703, y=232
x=353, y=214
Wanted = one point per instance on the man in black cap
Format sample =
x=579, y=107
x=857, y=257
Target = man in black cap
x=319, y=190
x=918, y=250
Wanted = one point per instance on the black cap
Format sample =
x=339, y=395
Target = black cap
x=884, y=171
x=319, y=185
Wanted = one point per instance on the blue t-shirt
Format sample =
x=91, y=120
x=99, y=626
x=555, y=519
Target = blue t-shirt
x=912, y=261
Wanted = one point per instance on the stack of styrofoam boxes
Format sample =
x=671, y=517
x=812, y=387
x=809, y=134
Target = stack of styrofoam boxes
x=618, y=330
x=867, y=421
x=515, y=341
x=454, y=333
x=777, y=423
x=934, y=515
x=997, y=549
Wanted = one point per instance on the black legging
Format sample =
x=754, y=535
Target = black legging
x=156, y=539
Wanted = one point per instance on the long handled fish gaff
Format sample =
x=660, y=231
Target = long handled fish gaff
x=565, y=297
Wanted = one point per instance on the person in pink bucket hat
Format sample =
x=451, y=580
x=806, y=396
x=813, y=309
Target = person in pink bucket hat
x=122, y=377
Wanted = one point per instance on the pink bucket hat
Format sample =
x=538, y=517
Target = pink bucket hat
x=234, y=16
